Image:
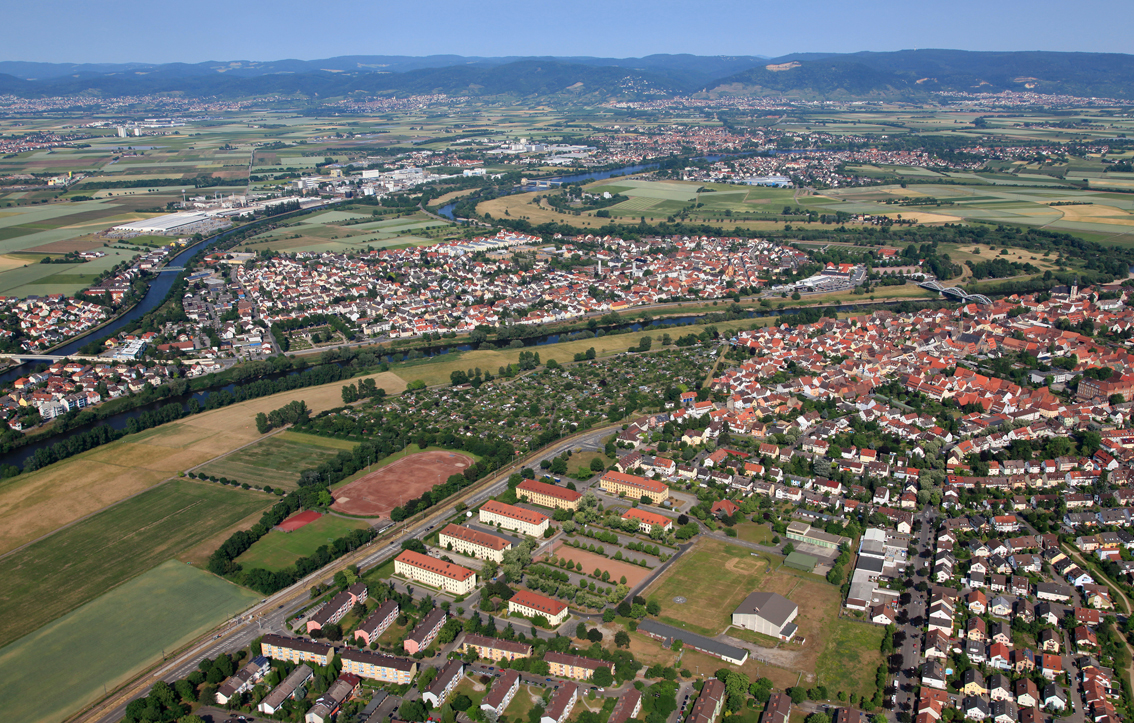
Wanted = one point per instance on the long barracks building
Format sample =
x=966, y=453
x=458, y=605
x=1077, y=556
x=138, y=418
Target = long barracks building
x=511, y=517
x=473, y=543
x=530, y=604
x=548, y=495
x=633, y=486
x=438, y=573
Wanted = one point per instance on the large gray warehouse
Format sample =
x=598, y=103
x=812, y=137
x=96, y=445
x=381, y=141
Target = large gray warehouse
x=767, y=613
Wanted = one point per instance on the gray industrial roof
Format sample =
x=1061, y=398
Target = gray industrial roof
x=776, y=609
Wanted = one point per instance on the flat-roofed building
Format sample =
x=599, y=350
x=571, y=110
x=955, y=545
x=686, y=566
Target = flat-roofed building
x=376, y=666
x=633, y=486
x=647, y=520
x=274, y=700
x=473, y=543
x=548, y=495
x=502, y=693
x=511, y=517
x=495, y=648
x=531, y=604
x=802, y=532
x=708, y=705
x=377, y=623
x=438, y=573
x=561, y=704
x=573, y=666
x=296, y=650
x=628, y=706
x=447, y=679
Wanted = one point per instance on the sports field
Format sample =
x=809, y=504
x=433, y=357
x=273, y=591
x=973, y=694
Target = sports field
x=74, y=566
x=714, y=577
x=35, y=504
x=277, y=460
x=379, y=492
x=52, y=672
x=278, y=549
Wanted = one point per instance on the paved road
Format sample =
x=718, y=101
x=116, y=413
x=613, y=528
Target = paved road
x=271, y=614
x=907, y=679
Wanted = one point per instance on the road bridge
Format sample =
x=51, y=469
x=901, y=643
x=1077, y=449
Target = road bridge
x=955, y=292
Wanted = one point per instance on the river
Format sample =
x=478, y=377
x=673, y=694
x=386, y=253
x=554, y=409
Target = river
x=120, y=420
x=155, y=295
x=447, y=209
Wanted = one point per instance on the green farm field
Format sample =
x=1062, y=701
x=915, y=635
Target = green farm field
x=57, y=574
x=1107, y=217
x=37, y=278
x=279, y=549
x=276, y=460
x=324, y=232
x=159, y=610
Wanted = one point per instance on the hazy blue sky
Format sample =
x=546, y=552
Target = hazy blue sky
x=156, y=31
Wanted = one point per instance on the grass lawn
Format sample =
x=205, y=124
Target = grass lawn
x=468, y=687
x=851, y=657
x=277, y=549
x=277, y=460
x=160, y=609
x=714, y=577
x=761, y=534
x=518, y=709
x=38, y=503
x=56, y=575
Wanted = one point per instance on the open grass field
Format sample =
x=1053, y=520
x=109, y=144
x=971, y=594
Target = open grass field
x=526, y=698
x=850, y=657
x=591, y=561
x=1111, y=215
x=56, y=575
x=749, y=207
x=35, y=278
x=277, y=460
x=761, y=534
x=278, y=549
x=714, y=578
x=160, y=609
x=397, y=482
x=326, y=232
x=36, y=504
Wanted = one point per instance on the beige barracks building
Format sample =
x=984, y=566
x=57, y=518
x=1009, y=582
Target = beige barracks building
x=634, y=487
x=473, y=543
x=437, y=573
x=511, y=517
x=530, y=604
x=547, y=495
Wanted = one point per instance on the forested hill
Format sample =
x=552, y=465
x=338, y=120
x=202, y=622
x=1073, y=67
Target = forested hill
x=909, y=74
x=916, y=72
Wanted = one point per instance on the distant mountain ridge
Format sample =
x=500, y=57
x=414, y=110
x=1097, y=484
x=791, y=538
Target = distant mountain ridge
x=907, y=74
